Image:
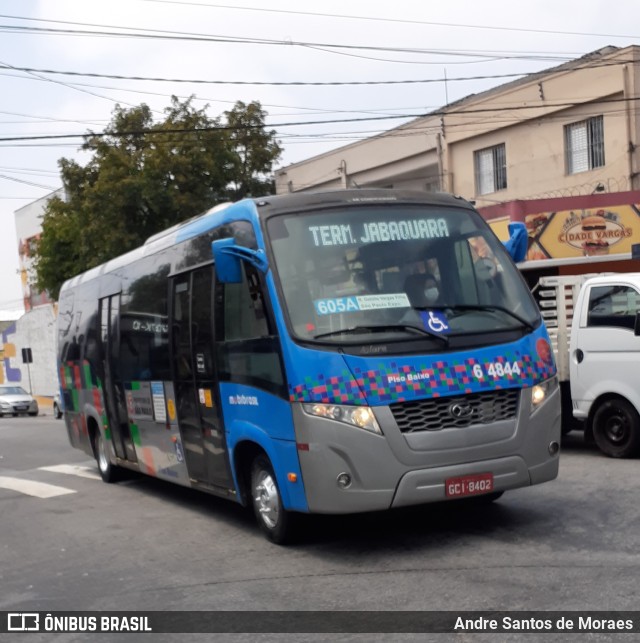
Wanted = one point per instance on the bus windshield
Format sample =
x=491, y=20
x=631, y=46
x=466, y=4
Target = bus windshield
x=398, y=271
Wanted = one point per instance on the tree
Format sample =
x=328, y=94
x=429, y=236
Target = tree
x=254, y=150
x=144, y=177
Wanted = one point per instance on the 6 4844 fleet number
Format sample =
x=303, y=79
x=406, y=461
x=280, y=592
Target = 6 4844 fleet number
x=496, y=369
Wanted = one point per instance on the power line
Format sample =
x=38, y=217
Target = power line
x=29, y=171
x=409, y=130
x=185, y=131
x=35, y=185
x=153, y=34
x=315, y=14
x=411, y=62
x=397, y=20
x=379, y=112
x=213, y=100
x=182, y=35
x=442, y=112
x=58, y=82
x=200, y=81
x=586, y=66
x=51, y=118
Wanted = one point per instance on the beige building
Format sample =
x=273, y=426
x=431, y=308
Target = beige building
x=570, y=130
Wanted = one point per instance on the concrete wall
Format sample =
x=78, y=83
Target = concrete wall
x=406, y=153
x=36, y=330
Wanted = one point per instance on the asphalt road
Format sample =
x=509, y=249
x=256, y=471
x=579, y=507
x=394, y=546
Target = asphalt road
x=571, y=544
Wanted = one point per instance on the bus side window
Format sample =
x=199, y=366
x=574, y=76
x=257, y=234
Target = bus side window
x=249, y=350
x=244, y=313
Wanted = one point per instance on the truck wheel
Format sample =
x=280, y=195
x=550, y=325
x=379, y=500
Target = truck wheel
x=616, y=428
x=274, y=521
x=57, y=413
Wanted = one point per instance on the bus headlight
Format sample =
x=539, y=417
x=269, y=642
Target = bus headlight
x=541, y=392
x=360, y=416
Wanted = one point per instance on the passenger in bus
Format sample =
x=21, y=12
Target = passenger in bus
x=422, y=290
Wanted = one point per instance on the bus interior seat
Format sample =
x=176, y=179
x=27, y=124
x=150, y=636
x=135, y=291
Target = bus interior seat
x=414, y=287
x=391, y=282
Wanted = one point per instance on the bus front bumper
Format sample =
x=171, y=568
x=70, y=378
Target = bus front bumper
x=383, y=471
x=420, y=486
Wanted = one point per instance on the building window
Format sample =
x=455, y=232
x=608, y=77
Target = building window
x=584, y=143
x=432, y=185
x=491, y=169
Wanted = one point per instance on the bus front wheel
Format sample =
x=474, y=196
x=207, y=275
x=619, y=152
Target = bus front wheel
x=274, y=520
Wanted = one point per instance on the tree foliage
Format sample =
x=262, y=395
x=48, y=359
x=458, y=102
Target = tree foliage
x=144, y=177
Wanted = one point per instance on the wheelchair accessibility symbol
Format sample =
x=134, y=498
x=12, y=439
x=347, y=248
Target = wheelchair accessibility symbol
x=435, y=322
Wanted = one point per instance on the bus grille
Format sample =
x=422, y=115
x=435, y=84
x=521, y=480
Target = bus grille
x=456, y=412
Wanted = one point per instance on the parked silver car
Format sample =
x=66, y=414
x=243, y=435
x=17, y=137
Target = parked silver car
x=14, y=400
x=57, y=407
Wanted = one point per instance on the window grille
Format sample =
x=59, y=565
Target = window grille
x=491, y=169
x=584, y=143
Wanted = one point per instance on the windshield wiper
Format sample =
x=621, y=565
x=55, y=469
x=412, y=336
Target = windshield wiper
x=490, y=308
x=385, y=328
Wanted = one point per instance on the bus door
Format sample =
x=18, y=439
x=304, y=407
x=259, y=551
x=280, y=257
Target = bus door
x=113, y=391
x=196, y=390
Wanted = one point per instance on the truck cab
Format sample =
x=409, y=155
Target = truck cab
x=604, y=361
x=594, y=324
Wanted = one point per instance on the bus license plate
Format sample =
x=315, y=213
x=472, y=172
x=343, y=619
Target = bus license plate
x=468, y=485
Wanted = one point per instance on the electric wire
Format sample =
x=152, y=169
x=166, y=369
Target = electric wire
x=397, y=20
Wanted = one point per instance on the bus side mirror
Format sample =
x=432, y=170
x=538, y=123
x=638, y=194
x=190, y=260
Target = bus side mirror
x=518, y=240
x=228, y=257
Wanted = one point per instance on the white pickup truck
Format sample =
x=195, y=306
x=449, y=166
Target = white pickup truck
x=594, y=324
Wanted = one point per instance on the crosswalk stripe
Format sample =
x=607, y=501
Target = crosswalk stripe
x=73, y=470
x=32, y=488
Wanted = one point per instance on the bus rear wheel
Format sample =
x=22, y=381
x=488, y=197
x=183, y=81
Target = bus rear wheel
x=108, y=472
x=274, y=520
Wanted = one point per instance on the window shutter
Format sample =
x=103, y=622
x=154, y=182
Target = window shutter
x=577, y=148
x=484, y=171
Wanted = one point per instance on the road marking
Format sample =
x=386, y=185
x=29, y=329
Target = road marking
x=32, y=488
x=73, y=470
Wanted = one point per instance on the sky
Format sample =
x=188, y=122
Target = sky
x=249, y=50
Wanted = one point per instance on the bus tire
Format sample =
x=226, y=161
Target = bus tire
x=108, y=472
x=274, y=520
x=616, y=428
